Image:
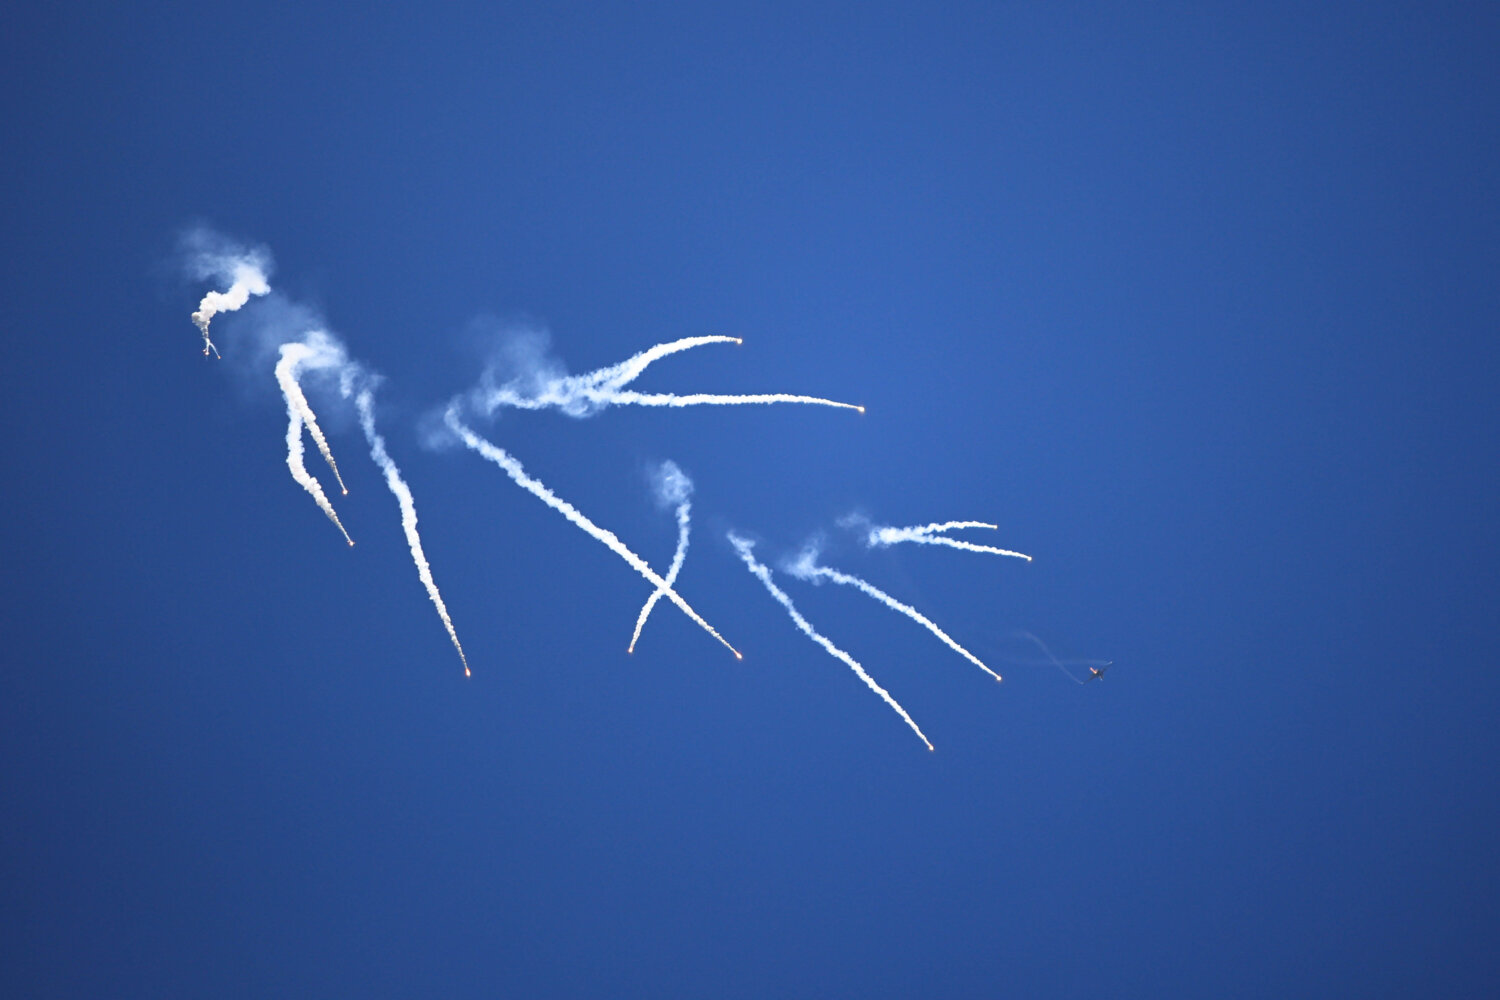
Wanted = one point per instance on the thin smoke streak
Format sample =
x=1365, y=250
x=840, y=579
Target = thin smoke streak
x=744, y=547
x=712, y=399
x=364, y=403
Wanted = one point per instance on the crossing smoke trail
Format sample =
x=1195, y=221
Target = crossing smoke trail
x=210, y=256
x=364, y=403
x=299, y=414
x=744, y=547
x=883, y=535
x=805, y=567
x=582, y=395
x=672, y=486
x=610, y=540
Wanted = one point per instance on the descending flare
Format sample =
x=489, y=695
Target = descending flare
x=581, y=395
x=364, y=403
x=299, y=415
x=321, y=350
x=806, y=567
x=536, y=488
x=744, y=547
x=672, y=486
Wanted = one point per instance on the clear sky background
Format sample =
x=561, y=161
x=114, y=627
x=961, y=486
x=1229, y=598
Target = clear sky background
x=1197, y=302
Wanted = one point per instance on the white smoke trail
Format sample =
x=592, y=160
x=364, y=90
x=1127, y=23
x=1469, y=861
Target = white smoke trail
x=711, y=399
x=884, y=535
x=245, y=270
x=672, y=486
x=318, y=351
x=581, y=395
x=928, y=529
x=298, y=415
x=805, y=567
x=744, y=547
x=620, y=375
x=364, y=402
x=611, y=541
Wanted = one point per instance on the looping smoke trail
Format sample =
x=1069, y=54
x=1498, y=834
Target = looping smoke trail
x=744, y=547
x=364, y=402
x=805, y=567
x=323, y=352
x=580, y=395
x=673, y=486
x=884, y=535
x=299, y=414
x=247, y=277
x=610, y=540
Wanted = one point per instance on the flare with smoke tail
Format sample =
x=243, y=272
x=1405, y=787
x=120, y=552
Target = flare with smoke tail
x=880, y=536
x=298, y=416
x=364, y=403
x=805, y=567
x=672, y=487
x=538, y=387
x=744, y=547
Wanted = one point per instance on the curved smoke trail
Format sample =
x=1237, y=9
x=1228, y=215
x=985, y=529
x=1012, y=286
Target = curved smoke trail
x=805, y=567
x=364, y=402
x=744, y=547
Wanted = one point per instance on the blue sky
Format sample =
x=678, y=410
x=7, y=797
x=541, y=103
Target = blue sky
x=1196, y=302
